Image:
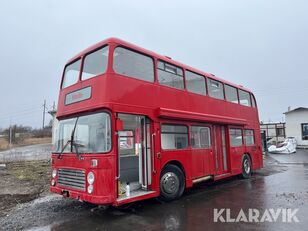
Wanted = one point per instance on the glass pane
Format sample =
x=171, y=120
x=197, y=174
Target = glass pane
x=244, y=98
x=126, y=140
x=95, y=63
x=174, y=137
x=236, y=138
x=170, y=75
x=200, y=137
x=231, y=94
x=249, y=132
x=253, y=102
x=133, y=64
x=92, y=134
x=174, y=128
x=215, y=89
x=195, y=83
x=71, y=74
x=249, y=137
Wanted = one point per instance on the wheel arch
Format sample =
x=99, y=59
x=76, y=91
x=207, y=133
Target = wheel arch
x=176, y=163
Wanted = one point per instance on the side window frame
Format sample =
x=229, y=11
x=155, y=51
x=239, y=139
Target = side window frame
x=230, y=140
x=253, y=136
x=91, y=52
x=201, y=128
x=222, y=88
x=79, y=74
x=237, y=94
x=247, y=93
x=139, y=53
x=201, y=76
x=177, y=68
x=171, y=124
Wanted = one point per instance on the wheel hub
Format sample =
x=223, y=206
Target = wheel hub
x=170, y=183
x=247, y=166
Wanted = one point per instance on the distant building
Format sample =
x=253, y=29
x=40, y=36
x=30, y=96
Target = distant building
x=274, y=132
x=297, y=125
x=55, y=126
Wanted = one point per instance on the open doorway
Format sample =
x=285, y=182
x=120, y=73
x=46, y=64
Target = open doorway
x=134, y=144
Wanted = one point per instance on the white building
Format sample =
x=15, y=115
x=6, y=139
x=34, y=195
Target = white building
x=297, y=125
x=55, y=125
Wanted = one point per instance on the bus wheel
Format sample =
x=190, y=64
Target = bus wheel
x=172, y=183
x=246, y=167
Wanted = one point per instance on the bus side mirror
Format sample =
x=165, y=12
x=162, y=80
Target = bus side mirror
x=119, y=125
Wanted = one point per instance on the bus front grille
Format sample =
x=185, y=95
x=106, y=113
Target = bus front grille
x=72, y=178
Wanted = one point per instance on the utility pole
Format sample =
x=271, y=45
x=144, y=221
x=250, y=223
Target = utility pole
x=44, y=111
x=10, y=135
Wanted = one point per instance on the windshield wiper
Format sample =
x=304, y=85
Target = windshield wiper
x=77, y=145
x=71, y=141
x=64, y=147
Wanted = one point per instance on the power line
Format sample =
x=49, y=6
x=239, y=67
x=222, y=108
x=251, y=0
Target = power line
x=19, y=112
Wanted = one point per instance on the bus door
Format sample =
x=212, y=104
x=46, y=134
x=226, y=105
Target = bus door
x=200, y=140
x=134, y=153
x=220, y=150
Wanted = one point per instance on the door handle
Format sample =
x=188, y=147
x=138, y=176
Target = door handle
x=158, y=155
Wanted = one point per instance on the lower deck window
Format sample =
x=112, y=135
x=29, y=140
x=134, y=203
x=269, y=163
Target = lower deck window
x=174, y=137
x=236, y=137
x=200, y=137
x=249, y=137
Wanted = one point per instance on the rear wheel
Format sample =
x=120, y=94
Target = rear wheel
x=246, y=167
x=172, y=183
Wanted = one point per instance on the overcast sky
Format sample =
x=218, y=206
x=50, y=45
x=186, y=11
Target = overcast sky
x=260, y=44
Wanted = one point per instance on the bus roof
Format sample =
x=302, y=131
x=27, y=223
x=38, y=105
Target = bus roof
x=153, y=54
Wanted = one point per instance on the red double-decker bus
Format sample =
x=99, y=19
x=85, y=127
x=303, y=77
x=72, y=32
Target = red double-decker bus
x=135, y=125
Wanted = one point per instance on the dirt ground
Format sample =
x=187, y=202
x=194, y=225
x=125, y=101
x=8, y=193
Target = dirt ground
x=28, y=141
x=22, y=182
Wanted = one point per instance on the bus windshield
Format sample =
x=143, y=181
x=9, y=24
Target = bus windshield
x=92, y=134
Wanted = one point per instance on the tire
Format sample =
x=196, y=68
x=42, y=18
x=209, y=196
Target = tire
x=246, y=167
x=172, y=183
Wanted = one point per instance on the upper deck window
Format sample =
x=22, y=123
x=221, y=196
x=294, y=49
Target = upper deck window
x=133, y=64
x=170, y=75
x=71, y=74
x=244, y=98
x=253, y=101
x=95, y=63
x=215, y=89
x=195, y=83
x=231, y=94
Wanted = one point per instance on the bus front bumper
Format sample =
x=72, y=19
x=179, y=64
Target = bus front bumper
x=82, y=196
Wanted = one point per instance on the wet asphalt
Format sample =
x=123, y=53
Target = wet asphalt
x=281, y=184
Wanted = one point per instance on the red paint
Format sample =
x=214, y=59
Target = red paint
x=117, y=93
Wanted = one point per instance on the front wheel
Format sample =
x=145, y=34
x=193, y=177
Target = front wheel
x=172, y=183
x=246, y=167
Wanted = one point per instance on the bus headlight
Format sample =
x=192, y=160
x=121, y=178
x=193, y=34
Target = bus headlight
x=90, y=178
x=54, y=173
x=90, y=188
x=53, y=182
